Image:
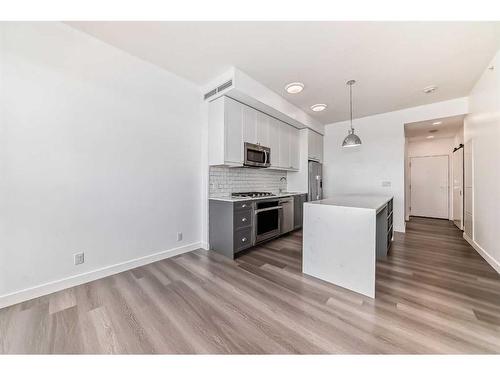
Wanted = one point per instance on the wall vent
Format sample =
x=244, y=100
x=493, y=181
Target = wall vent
x=218, y=89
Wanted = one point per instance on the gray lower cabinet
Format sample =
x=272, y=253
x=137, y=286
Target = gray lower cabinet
x=230, y=226
x=384, y=230
x=298, y=210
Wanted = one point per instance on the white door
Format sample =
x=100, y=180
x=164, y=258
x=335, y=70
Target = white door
x=458, y=187
x=429, y=186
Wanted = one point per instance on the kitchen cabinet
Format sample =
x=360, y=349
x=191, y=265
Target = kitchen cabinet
x=232, y=123
x=274, y=141
x=298, y=210
x=249, y=124
x=284, y=145
x=255, y=126
x=294, y=148
x=230, y=226
x=225, y=132
x=315, y=146
x=262, y=129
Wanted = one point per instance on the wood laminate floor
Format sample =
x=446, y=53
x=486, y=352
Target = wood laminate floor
x=435, y=294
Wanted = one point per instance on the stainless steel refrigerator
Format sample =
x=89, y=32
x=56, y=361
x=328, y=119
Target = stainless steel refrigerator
x=315, y=181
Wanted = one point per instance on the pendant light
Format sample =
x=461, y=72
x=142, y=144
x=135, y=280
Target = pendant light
x=352, y=140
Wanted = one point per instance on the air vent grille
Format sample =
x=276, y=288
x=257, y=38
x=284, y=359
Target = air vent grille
x=210, y=93
x=218, y=89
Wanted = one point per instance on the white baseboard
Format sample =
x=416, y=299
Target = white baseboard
x=204, y=245
x=57, y=285
x=492, y=261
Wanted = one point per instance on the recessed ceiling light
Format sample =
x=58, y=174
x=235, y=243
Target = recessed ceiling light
x=429, y=89
x=429, y=137
x=437, y=123
x=318, y=107
x=294, y=87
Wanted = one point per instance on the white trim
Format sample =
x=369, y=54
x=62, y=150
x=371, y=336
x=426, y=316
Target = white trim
x=57, y=285
x=492, y=261
x=204, y=245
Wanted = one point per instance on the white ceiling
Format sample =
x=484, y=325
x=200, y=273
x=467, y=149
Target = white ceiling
x=449, y=127
x=391, y=61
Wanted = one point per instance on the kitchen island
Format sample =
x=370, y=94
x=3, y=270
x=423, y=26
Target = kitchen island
x=343, y=235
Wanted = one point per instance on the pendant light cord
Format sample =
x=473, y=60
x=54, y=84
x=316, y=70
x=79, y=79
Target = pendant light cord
x=350, y=96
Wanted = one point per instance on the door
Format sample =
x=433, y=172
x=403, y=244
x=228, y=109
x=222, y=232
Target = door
x=429, y=186
x=458, y=187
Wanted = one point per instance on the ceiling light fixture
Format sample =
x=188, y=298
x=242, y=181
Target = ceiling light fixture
x=429, y=89
x=429, y=137
x=352, y=140
x=318, y=107
x=437, y=123
x=294, y=87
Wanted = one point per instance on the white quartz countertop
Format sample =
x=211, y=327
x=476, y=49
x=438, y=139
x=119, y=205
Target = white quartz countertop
x=366, y=201
x=237, y=199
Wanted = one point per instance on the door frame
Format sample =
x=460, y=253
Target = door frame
x=447, y=178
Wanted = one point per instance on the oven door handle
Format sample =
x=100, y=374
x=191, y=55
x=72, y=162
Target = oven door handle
x=268, y=209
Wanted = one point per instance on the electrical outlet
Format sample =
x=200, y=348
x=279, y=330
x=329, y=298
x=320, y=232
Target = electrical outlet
x=79, y=258
x=179, y=236
x=386, y=183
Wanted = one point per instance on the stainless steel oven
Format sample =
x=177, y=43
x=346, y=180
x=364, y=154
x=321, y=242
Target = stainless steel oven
x=267, y=220
x=257, y=156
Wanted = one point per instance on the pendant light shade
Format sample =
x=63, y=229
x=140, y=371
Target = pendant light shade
x=352, y=140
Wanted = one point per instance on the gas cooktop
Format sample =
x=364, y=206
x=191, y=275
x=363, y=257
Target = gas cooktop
x=253, y=194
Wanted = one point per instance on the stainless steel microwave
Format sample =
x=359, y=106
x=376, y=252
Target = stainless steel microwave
x=257, y=156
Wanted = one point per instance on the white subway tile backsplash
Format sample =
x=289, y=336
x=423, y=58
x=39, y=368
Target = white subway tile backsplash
x=224, y=180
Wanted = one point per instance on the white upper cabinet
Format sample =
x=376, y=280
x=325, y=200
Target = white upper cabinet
x=233, y=131
x=274, y=141
x=232, y=123
x=284, y=141
x=225, y=132
x=315, y=146
x=262, y=129
x=294, y=148
x=249, y=124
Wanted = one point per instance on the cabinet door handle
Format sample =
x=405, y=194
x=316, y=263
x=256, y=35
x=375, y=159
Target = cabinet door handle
x=243, y=239
x=244, y=219
x=243, y=205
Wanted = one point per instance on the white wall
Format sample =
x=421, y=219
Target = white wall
x=482, y=127
x=431, y=147
x=381, y=157
x=99, y=152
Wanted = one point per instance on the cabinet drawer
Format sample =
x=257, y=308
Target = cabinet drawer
x=242, y=239
x=242, y=205
x=242, y=219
